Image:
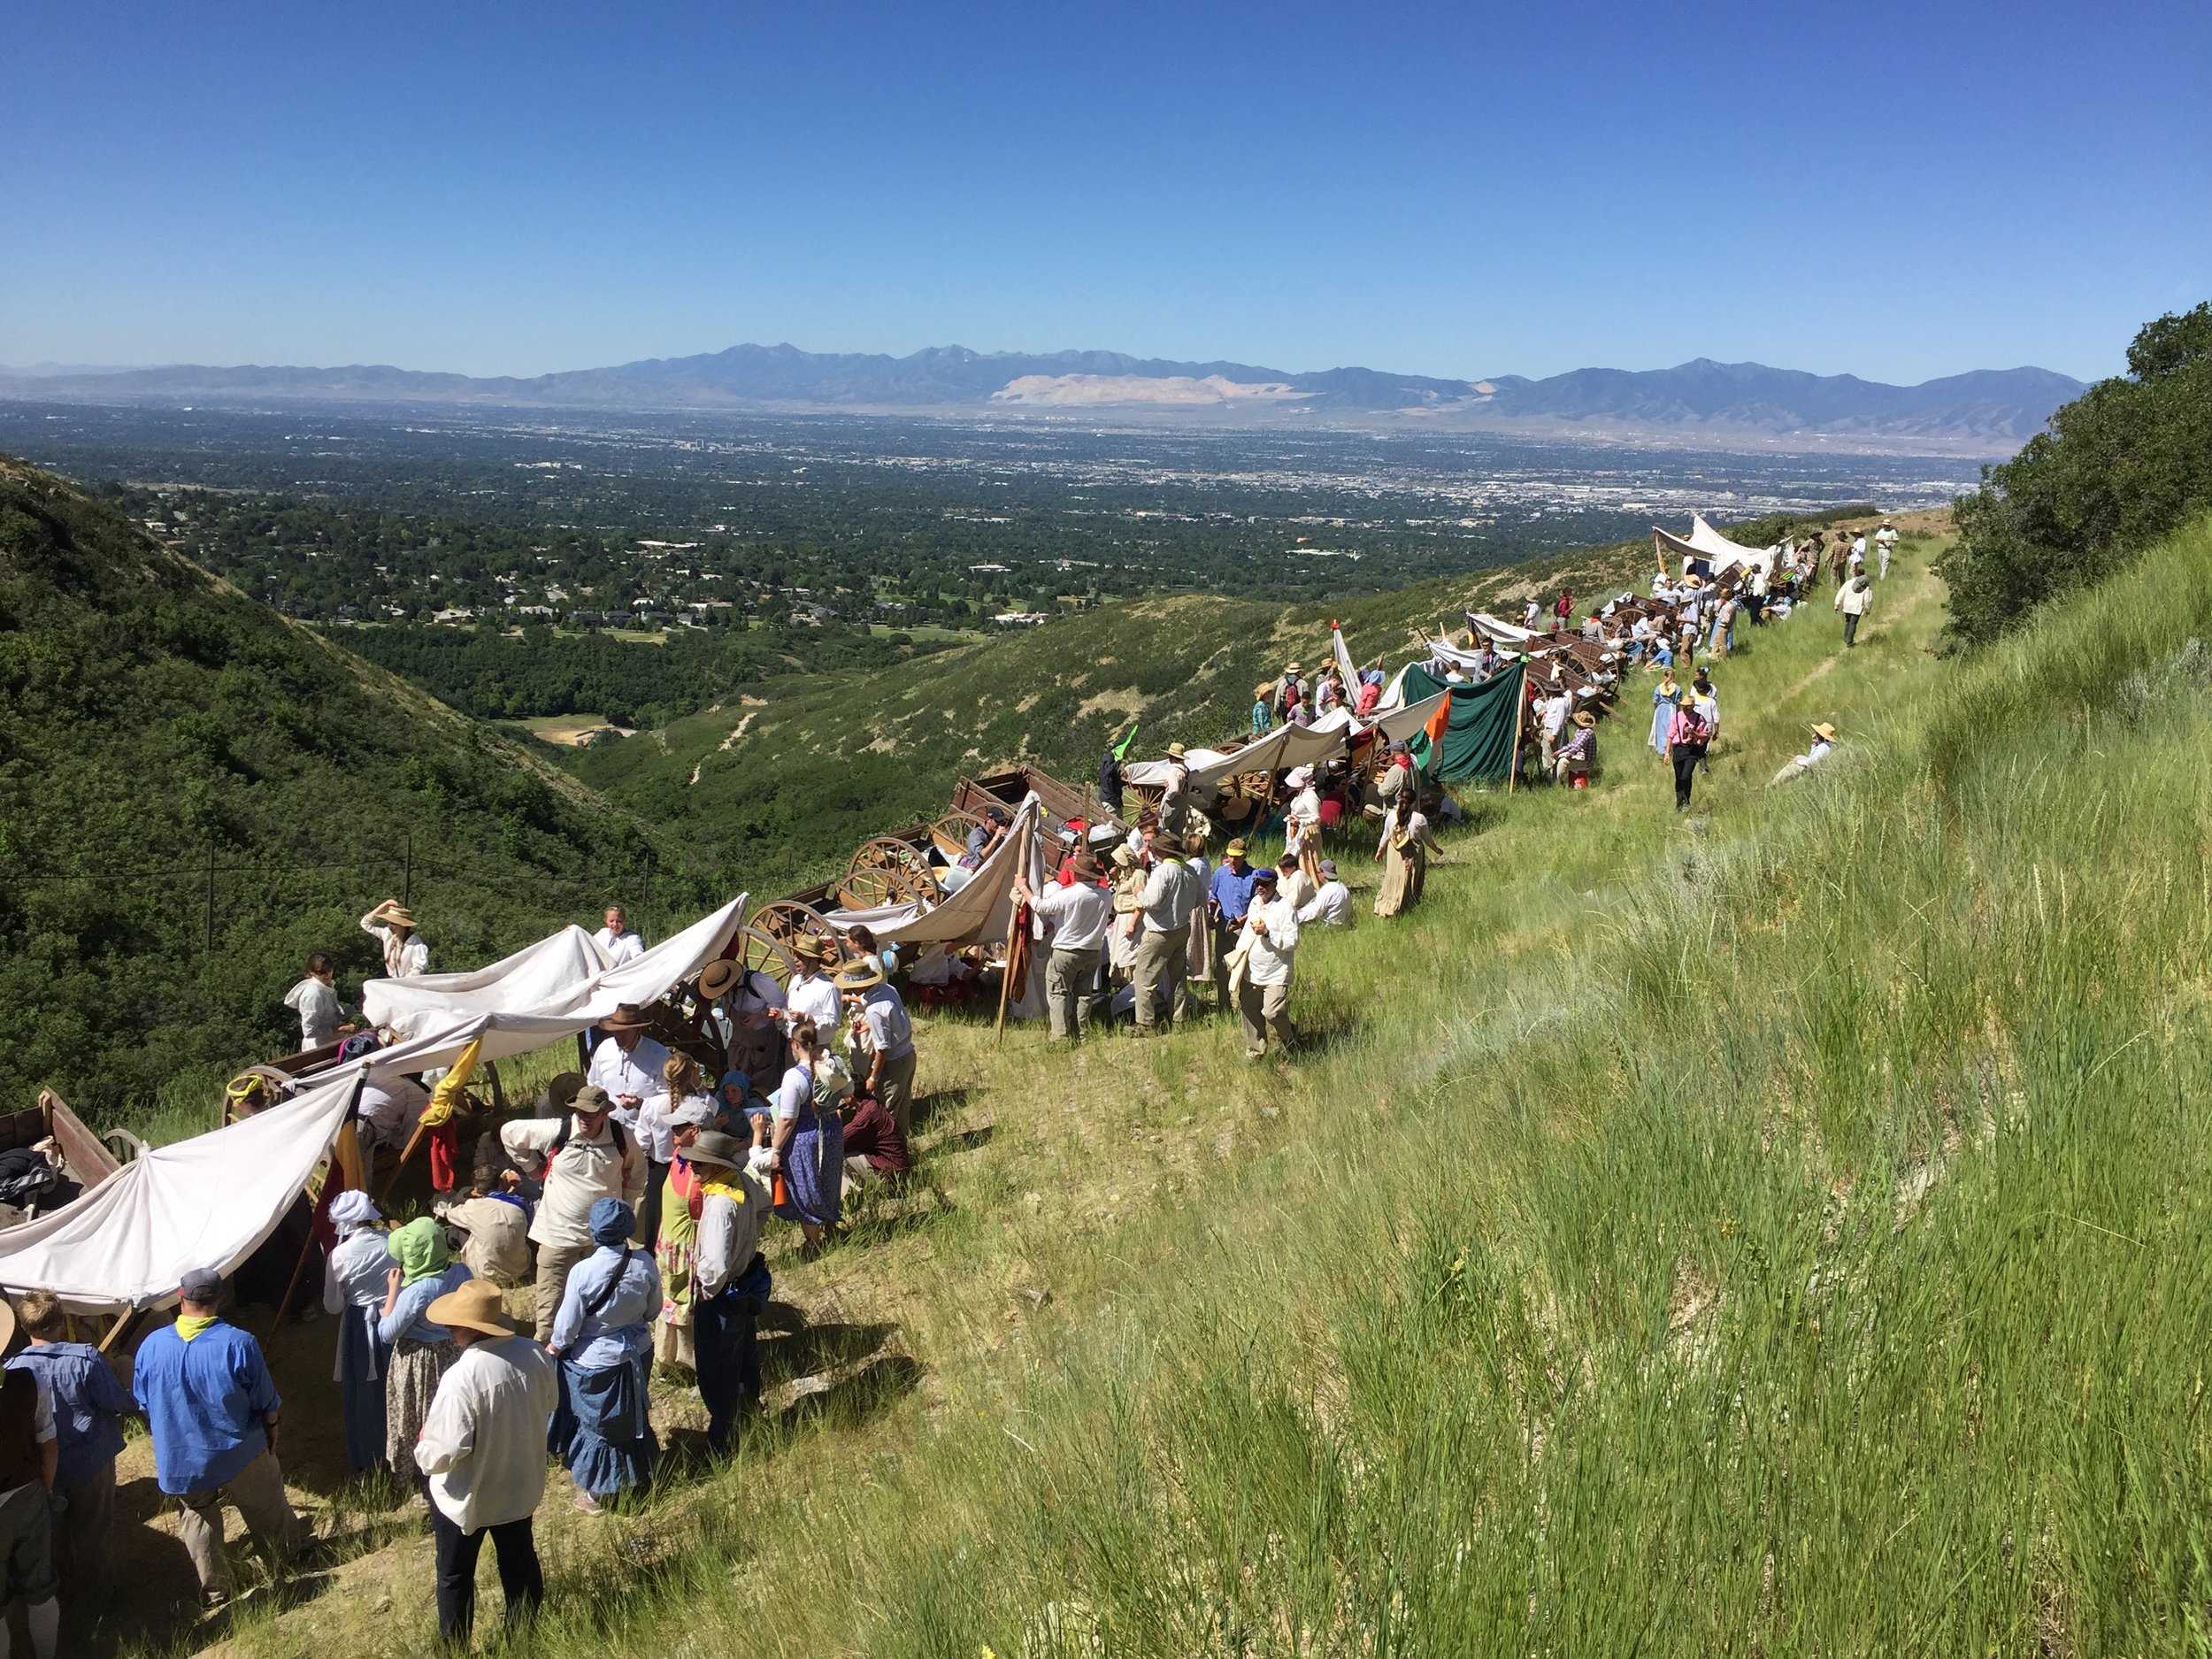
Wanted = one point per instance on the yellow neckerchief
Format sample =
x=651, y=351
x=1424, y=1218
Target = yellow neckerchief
x=730, y=1190
x=190, y=1324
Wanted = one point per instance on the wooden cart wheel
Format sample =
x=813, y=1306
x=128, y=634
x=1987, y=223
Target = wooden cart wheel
x=784, y=922
x=887, y=852
x=1255, y=785
x=1147, y=795
x=950, y=832
x=764, y=953
x=875, y=888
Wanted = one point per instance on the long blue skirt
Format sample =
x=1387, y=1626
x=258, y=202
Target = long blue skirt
x=603, y=1428
x=814, y=1170
x=362, y=1362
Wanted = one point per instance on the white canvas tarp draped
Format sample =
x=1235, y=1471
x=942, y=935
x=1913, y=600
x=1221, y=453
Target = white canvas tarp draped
x=536, y=977
x=1707, y=543
x=1285, y=747
x=444, y=1022
x=208, y=1202
x=981, y=911
x=1401, y=724
x=1503, y=632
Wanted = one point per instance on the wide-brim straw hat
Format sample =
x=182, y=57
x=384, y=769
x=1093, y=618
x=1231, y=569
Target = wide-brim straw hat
x=1238, y=847
x=719, y=977
x=630, y=1017
x=1585, y=718
x=1175, y=751
x=1824, y=732
x=1261, y=690
x=1294, y=668
x=864, y=975
x=394, y=915
x=474, y=1303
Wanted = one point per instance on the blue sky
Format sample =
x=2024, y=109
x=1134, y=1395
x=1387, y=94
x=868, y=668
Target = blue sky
x=1893, y=190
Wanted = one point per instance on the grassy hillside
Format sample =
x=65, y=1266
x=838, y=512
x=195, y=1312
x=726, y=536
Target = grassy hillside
x=782, y=783
x=1776, y=1230
x=155, y=723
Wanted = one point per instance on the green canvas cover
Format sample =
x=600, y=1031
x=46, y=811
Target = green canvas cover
x=1478, y=744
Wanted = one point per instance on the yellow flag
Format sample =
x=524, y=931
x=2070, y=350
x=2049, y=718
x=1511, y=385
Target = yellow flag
x=446, y=1097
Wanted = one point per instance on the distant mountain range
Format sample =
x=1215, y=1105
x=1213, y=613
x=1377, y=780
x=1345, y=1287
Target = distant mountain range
x=1990, y=408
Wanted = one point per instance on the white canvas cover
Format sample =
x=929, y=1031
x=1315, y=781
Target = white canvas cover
x=981, y=911
x=536, y=977
x=1707, y=543
x=1503, y=632
x=208, y=1202
x=1401, y=724
x=1285, y=747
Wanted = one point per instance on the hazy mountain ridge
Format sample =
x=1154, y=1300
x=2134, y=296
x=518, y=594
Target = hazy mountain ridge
x=2000, y=408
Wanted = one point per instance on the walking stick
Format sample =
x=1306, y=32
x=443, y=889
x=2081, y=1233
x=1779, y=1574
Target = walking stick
x=1014, y=941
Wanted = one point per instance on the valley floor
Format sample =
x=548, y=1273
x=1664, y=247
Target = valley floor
x=1772, y=1228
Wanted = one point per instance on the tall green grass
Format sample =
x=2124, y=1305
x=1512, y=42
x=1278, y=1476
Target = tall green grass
x=1777, y=1233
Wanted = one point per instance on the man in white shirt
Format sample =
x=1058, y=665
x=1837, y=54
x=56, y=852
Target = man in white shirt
x=628, y=1065
x=1331, y=903
x=392, y=924
x=1557, y=706
x=587, y=1157
x=730, y=1282
x=1171, y=894
x=812, y=994
x=1079, y=915
x=315, y=1000
x=616, y=938
x=483, y=1447
x=1885, y=543
x=1269, y=944
x=386, y=1113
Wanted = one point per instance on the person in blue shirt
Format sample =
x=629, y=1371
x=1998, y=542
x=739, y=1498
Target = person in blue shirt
x=213, y=1408
x=603, y=1337
x=1227, y=899
x=89, y=1406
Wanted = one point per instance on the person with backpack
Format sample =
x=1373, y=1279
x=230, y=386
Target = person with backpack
x=585, y=1156
x=1687, y=739
x=603, y=1338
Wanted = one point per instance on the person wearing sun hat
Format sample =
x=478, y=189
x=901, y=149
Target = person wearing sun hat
x=812, y=994
x=584, y=1155
x=1262, y=710
x=729, y=1284
x=482, y=1451
x=603, y=1339
x=392, y=924
x=876, y=1011
x=1824, y=745
x=1080, y=914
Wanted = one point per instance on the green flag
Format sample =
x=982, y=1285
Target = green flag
x=1121, y=749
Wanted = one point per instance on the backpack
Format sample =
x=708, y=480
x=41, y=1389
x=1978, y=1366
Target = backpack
x=615, y=1138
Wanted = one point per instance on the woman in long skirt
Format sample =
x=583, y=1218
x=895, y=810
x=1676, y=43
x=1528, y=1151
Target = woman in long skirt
x=809, y=1144
x=354, y=1289
x=673, y=1254
x=1666, y=697
x=420, y=1351
x=603, y=1429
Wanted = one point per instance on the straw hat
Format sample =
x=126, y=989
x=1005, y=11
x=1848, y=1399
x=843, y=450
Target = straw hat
x=1175, y=751
x=1294, y=668
x=719, y=977
x=394, y=914
x=1261, y=690
x=475, y=1305
x=630, y=1017
x=1583, y=717
x=712, y=1147
x=1824, y=732
x=1238, y=847
x=864, y=975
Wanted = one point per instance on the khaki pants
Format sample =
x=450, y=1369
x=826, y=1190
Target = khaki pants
x=1070, y=975
x=256, y=1492
x=554, y=1262
x=1163, y=957
x=894, y=1090
x=1225, y=935
x=1261, y=1006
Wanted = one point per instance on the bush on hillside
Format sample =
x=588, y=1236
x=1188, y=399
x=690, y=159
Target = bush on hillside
x=2123, y=465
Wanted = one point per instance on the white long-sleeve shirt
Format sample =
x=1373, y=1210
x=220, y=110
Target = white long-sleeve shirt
x=483, y=1443
x=1079, y=915
x=1268, y=958
x=814, y=996
x=637, y=1072
x=584, y=1172
x=1332, y=906
x=317, y=1006
x=404, y=958
x=729, y=1233
x=620, y=947
x=1171, y=894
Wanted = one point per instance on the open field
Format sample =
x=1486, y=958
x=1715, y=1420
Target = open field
x=567, y=730
x=1799, y=1193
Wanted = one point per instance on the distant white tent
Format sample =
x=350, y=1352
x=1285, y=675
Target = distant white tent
x=1709, y=545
